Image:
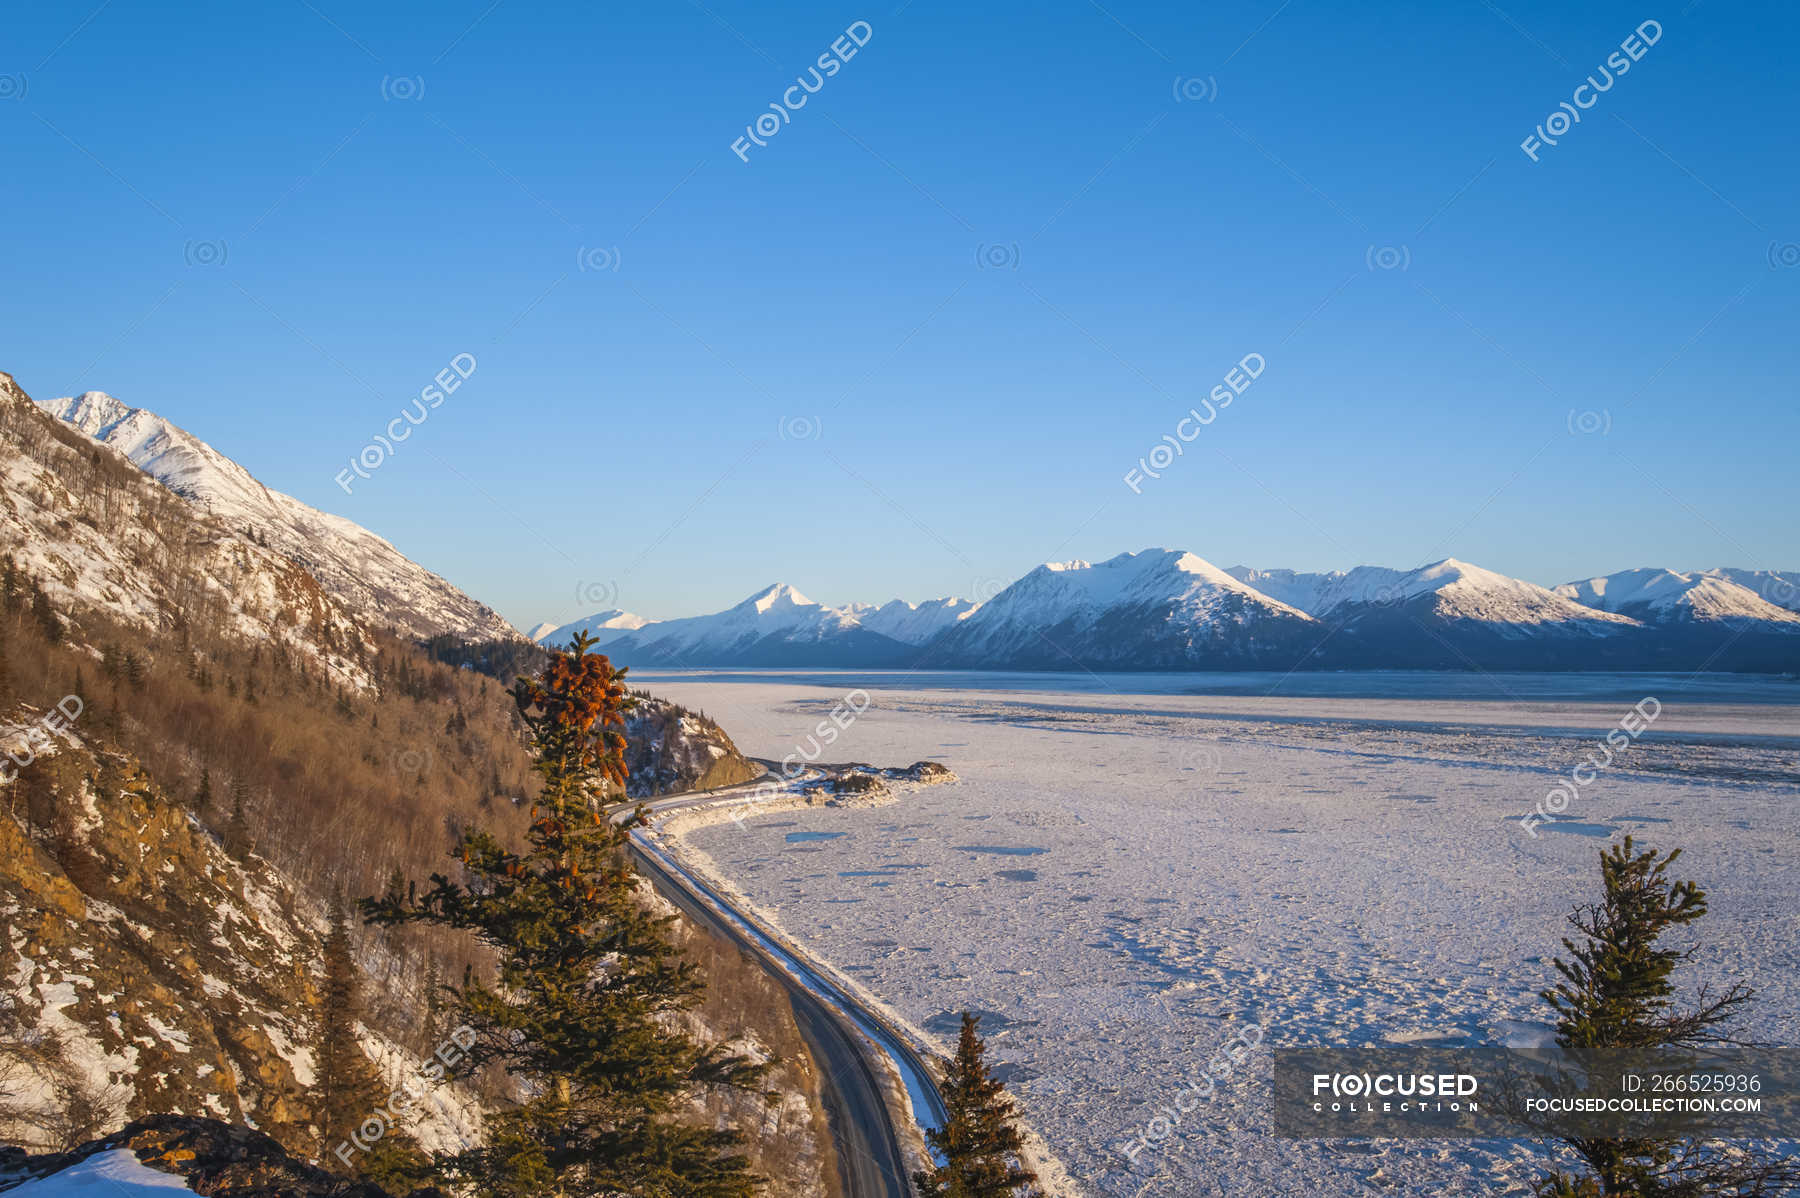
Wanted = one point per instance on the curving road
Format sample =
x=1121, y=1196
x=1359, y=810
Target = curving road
x=839, y=1031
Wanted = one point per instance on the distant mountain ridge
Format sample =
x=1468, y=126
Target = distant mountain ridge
x=355, y=566
x=1162, y=609
x=1662, y=596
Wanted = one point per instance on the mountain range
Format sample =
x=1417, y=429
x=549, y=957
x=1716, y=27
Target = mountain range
x=1158, y=609
x=1168, y=609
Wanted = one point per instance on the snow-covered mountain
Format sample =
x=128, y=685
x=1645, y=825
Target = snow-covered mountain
x=602, y=626
x=1780, y=587
x=362, y=570
x=102, y=536
x=1158, y=609
x=1664, y=596
x=777, y=626
x=1168, y=609
x=1317, y=593
x=912, y=624
x=1447, y=589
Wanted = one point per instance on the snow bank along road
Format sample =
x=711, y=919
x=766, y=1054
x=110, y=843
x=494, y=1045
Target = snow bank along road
x=840, y=1032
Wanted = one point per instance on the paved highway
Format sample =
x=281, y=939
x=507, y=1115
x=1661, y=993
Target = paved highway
x=842, y=1035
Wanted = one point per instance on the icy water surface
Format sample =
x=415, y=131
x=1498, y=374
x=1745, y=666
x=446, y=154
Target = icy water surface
x=1125, y=879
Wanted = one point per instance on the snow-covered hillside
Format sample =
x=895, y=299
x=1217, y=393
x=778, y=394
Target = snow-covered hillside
x=364, y=571
x=1661, y=596
x=1780, y=587
x=1456, y=590
x=602, y=626
x=1459, y=591
x=102, y=536
x=912, y=624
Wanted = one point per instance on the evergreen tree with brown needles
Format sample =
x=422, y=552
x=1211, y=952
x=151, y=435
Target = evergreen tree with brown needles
x=581, y=1014
x=1616, y=995
x=979, y=1143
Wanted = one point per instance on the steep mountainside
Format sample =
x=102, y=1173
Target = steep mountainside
x=244, y=746
x=360, y=569
x=149, y=970
x=100, y=535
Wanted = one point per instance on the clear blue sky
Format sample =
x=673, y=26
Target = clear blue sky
x=981, y=272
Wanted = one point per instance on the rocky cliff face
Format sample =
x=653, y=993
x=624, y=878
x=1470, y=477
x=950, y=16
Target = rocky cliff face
x=669, y=748
x=171, y=976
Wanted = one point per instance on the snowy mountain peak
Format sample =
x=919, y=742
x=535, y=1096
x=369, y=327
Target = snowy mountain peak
x=1452, y=588
x=361, y=569
x=777, y=596
x=910, y=624
x=93, y=412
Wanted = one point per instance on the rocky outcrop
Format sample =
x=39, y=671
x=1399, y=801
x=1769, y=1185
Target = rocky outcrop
x=216, y=1159
x=671, y=749
x=169, y=975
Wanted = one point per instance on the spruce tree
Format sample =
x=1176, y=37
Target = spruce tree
x=1616, y=995
x=237, y=828
x=345, y=1089
x=980, y=1142
x=203, y=796
x=580, y=1012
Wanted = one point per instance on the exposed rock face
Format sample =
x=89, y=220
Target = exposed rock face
x=215, y=1159
x=670, y=749
x=170, y=976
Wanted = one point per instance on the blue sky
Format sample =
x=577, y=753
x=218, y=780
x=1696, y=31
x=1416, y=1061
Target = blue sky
x=913, y=345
